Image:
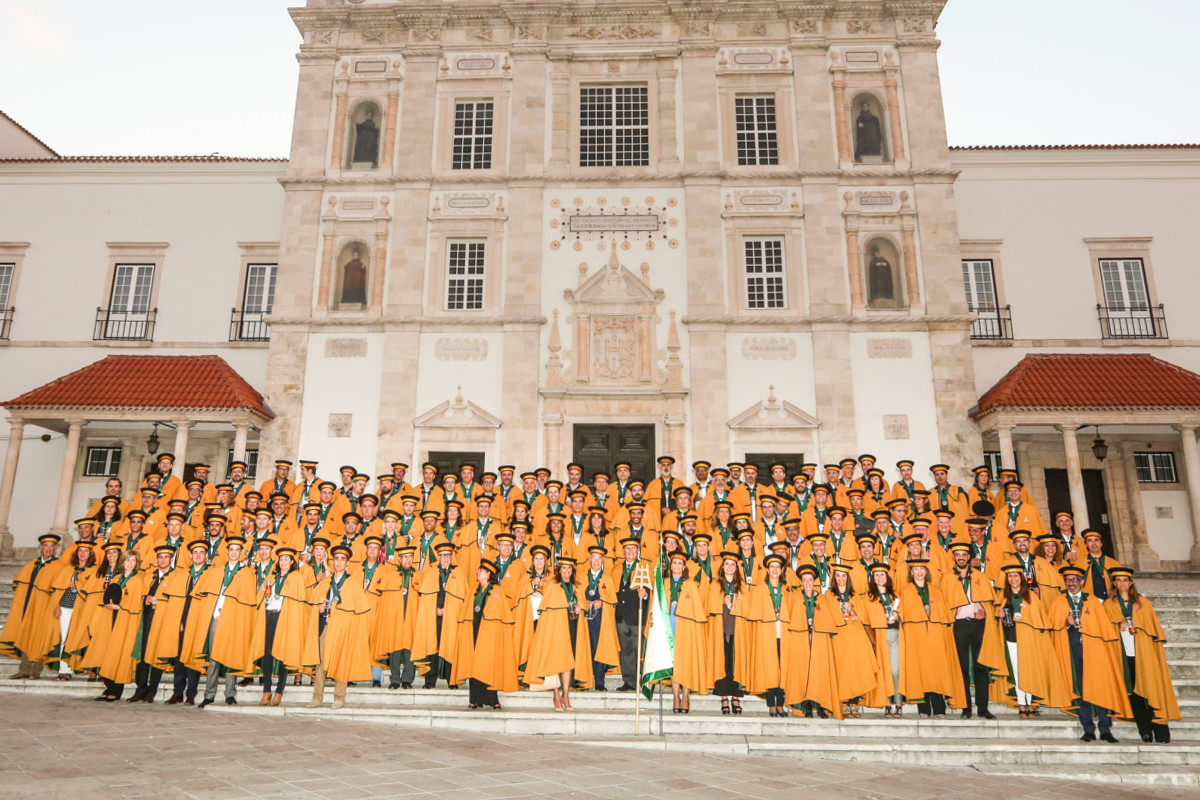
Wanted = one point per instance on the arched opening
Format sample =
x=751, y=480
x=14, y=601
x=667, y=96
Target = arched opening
x=350, y=291
x=366, y=121
x=885, y=274
x=868, y=129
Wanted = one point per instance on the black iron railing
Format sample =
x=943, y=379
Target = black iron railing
x=248, y=326
x=994, y=324
x=130, y=326
x=1147, y=322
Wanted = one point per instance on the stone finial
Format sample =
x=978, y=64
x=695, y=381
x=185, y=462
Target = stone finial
x=583, y=270
x=729, y=202
x=437, y=204
x=554, y=364
x=506, y=66
x=458, y=398
x=645, y=273
x=613, y=263
x=674, y=366
x=771, y=399
x=499, y=205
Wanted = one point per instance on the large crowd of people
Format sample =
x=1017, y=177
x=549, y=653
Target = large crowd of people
x=823, y=595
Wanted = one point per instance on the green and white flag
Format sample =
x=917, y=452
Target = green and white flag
x=660, y=639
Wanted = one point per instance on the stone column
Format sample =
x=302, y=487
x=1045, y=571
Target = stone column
x=839, y=111
x=378, y=269
x=1074, y=476
x=389, y=126
x=66, y=481
x=668, y=144
x=912, y=280
x=1191, y=465
x=241, y=430
x=1145, y=557
x=552, y=431
x=323, y=288
x=854, y=259
x=338, y=156
x=182, y=427
x=894, y=125
x=1007, y=457
x=16, y=429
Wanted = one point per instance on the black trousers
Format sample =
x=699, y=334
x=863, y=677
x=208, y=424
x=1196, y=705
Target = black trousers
x=271, y=667
x=1148, y=729
x=147, y=678
x=968, y=640
x=113, y=689
x=187, y=681
x=438, y=666
x=481, y=695
x=629, y=639
x=932, y=705
x=598, y=670
x=726, y=686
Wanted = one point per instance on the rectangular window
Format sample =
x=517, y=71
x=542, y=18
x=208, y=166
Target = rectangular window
x=764, y=273
x=1124, y=282
x=251, y=460
x=259, y=297
x=131, y=288
x=473, y=122
x=1155, y=467
x=991, y=458
x=614, y=126
x=979, y=283
x=465, y=272
x=6, y=279
x=757, y=139
x=102, y=462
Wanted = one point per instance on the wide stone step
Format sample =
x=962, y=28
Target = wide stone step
x=1182, y=651
x=1164, y=776
x=1179, y=616
x=1174, y=599
x=1187, y=688
x=1184, y=669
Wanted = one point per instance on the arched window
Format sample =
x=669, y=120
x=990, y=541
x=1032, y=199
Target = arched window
x=366, y=121
x=868, y=130
x=885, y=275
x=353, y=268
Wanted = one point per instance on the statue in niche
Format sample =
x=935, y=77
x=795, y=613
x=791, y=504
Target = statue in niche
x=868, y=134
x=366, y=141
x=354, y=281
x=879, y=277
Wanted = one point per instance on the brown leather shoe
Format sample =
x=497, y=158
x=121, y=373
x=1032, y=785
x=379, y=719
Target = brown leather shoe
x=175, y=700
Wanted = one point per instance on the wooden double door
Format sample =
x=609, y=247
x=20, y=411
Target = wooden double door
x=599, y=447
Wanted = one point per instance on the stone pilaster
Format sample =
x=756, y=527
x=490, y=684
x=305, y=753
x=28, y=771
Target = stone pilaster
x=834, y=390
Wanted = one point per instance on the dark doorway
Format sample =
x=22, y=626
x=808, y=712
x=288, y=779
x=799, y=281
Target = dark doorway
x=599, y=447
x=792, y=461
x=1058, y=496
x=447, y=461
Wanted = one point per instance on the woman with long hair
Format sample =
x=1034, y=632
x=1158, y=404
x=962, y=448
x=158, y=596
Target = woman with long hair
x=561, y=646
x=768, y=611
x=728, y=634
x=980, y=490
x=1029, y=664
x=558, y=543
x=597, y=532
x=108, y=518
x=748, y=558
x=484, y=653
x=689, y=626
x=853, y=654
x=882, y=620
x=1048, y=560
x=1147, y=679
x=115, y=626
x=68, y=591
x=289, y=630
x=877, y=494
x=918, y=507
x=453, y=519
x=929, y=669
x=89, y=606
x=721, y=523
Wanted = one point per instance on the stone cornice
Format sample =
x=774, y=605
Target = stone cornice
x=852, y=322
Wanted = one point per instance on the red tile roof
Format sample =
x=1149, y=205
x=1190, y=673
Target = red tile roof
x=1056, y=380
x=197, y=383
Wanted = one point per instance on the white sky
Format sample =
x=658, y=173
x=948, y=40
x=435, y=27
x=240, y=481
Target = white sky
x=164, y=77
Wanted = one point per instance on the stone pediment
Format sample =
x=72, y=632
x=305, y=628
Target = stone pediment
x=613, y=285
x=457, y=413
x=773, y=414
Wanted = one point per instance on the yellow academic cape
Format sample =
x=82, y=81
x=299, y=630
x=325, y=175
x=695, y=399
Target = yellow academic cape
x=550, y=652
x=1103, y=681
x=809, y=668
x=194, y=650
x=231, y=644
x=27, y=631
x=993, y=650
x=715, y=635
x=87, y=605
x=488, y=655
x=928, y=658
x=875, y=616
x=1084, y=562
x=53, y=655
x=347, y=651
x=395, y=611
x=162, y=642
x=1050, y=582
x=426, y=640
x=296, y=643
x=765, y=640
x=1037, y=669
x=1153, y=679
x=692, y=667
x=853, y=653
x=114, y=633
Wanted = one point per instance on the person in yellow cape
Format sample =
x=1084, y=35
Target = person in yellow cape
x=68, y=591
x=810, y=678
x=1028, y=665
x=560, y=644
x=396, y=617
x=689, y=624
x=227, y=647
x=853, y=653
x=728, y=640
x=977, y=636
x=147, y=672
x=600, y=603
x=440, y=592
x=928, y=663
x=1096, y=565
x=115, y=627
x=1085, y=641
x=526, y=590
x=1047, y=561
x=484, y=651
x=345, y=644
x=1147, y=679
x=29, y=630
x=878, y=610
x=172, y=607
x=768, y=610
x=289, y=636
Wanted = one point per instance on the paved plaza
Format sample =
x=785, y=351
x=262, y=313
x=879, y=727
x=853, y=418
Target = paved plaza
x=63, y=747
